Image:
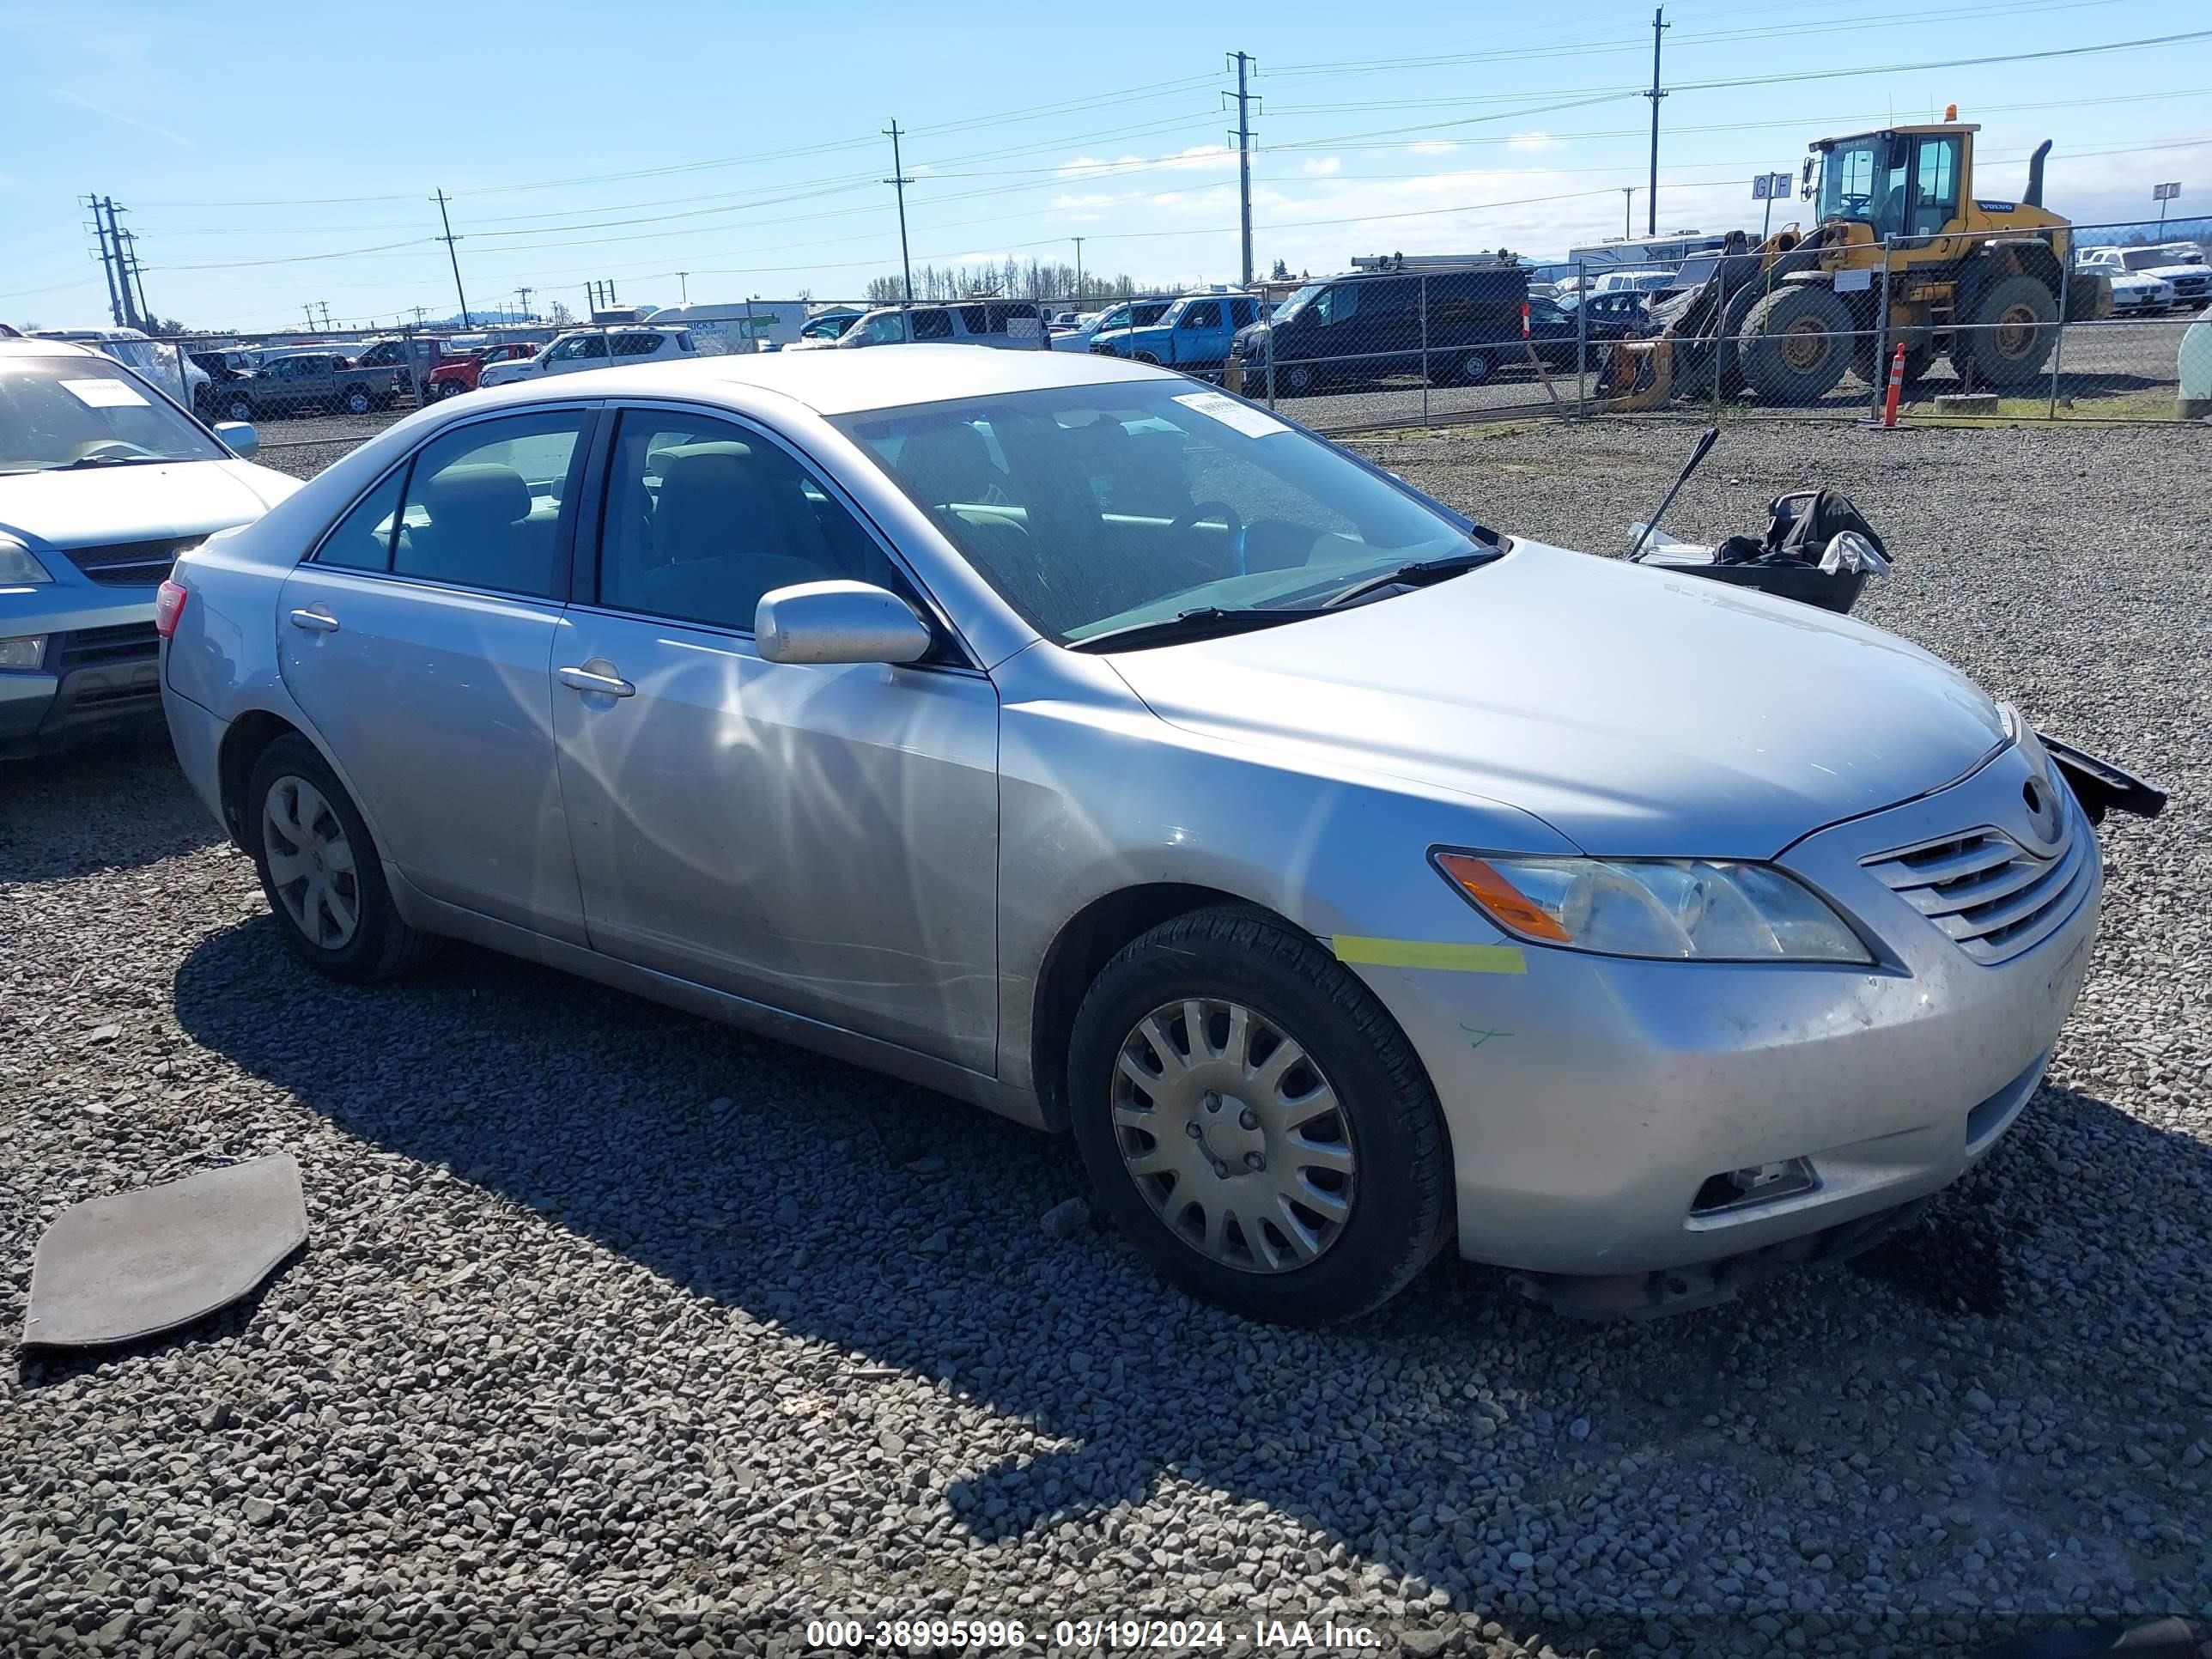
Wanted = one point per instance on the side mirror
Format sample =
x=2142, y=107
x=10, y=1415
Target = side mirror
x=834, y=622
x=239, y=437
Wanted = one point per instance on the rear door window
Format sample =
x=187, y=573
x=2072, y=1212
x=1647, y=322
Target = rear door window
x=487, y=503
x=932, y=324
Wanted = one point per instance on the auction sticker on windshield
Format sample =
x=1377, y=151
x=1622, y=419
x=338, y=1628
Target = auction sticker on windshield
x=1252, y=422
x=103, y=394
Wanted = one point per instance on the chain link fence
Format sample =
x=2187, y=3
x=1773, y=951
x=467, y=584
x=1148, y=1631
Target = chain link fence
x=2073, y=325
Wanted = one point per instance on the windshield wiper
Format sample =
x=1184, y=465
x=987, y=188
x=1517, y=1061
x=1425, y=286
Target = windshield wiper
x=1206, y=623
x=1417, y=575
x=108, y=460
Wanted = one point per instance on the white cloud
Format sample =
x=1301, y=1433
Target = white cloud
x=1533, y=141
x=1199, y=157
x=1321, y=166
x=1432, y=147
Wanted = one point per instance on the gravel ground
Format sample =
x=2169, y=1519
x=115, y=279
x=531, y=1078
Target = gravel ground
x=622, y=1333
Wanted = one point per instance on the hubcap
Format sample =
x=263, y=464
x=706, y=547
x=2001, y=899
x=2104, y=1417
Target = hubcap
x=310, y=862
x=1476, y=367
x=2015, y=331
x=1805, y=344
x=1233, y=1135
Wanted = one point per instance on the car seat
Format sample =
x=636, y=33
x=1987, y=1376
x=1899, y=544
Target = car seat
x=481, y=532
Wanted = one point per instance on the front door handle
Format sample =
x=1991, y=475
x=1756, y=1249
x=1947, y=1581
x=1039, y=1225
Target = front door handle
x=605, y=686
x=319, y=621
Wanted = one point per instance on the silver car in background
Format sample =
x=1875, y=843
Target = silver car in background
x=1059, y=733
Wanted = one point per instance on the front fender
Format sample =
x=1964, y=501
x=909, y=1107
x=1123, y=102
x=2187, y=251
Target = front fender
x=1098, y=795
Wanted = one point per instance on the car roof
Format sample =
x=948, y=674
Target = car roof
x=848, y=382
x=32, y=346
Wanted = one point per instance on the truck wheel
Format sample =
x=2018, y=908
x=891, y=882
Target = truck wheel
x=237, y=409
x=357, y=401
x=450, y=389
x=1297, y=379
x=1146, y=357
x=1254, y=1123
x=1472, y=367
x=1795, y=344
x=2013, y=329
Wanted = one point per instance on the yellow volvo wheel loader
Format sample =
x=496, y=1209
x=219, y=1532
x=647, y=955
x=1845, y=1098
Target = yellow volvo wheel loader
x=1982, y=281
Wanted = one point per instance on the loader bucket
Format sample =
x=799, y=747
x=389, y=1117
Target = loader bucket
x=1639, y=374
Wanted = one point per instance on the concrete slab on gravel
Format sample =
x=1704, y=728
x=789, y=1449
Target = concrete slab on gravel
x=113, y=1269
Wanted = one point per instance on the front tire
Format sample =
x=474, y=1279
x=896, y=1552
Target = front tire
x=356, y=402
x=1795, y=344
x=2014, y=328
x=320, y=871
x=1254, y=1123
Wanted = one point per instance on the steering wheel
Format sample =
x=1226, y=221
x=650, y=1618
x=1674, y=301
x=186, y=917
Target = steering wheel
x=1189, y=519
x=117, y=447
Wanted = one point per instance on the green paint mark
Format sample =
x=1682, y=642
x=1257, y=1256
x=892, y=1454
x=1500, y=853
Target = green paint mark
x=1422, y=953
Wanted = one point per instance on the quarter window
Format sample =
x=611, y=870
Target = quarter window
x=485, y=503
x=362, y=540
x=1207, y=314
x=703, y=517
x=932, y=324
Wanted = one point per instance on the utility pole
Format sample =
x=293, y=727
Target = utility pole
x=418, y=316
x=1627, y=208
x=107, y=263
x=449, y=239
x=683, y=288
x=126, y=254
x=308, y=310
x=898, y=178
x=1651, y=197
x=325, y=306
x=522, y=298
x=1243, y=62
x=1079, y=273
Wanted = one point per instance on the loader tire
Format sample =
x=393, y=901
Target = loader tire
x=2014, y=326
x=1795, y=344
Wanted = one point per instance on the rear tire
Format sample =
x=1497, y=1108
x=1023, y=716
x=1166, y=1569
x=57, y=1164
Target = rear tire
x=2014, y=328
x=1208, y=1168
x=356, y=402
x=1795, y=344
x=237, y=409
x=320, y=871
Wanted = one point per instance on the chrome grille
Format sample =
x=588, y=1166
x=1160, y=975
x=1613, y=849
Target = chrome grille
x=131, y=564
x=1993, y=897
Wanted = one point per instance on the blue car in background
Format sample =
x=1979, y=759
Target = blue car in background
x=104, y=481
x=1193, y=334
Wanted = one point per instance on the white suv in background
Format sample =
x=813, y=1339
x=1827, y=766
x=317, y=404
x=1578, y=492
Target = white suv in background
x=1009, y=324
x=2179, y=265
x=588, y=348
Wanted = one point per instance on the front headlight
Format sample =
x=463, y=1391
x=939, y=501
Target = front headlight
x=23, y=651
x=1709, y=909
x=19, y=566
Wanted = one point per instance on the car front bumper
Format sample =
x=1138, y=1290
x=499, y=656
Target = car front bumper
x=1590, y=1100
x=100, y=675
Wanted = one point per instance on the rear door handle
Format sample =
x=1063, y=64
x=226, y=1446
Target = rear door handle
x=605, y=686
x=319, y=621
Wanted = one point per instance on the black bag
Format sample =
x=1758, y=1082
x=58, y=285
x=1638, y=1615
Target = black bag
x=1799, y=528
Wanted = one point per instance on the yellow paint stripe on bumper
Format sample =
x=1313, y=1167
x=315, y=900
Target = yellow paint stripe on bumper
x=1421, y=953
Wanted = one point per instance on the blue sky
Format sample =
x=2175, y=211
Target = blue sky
x=273, y=156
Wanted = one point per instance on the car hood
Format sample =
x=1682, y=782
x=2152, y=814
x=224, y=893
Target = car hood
x=1637, y=712
x=103, y=505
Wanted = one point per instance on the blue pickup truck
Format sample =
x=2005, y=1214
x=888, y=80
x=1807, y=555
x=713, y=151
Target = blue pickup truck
x=1193, y=334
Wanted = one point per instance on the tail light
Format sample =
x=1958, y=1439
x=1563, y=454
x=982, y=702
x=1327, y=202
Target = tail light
x=169, y=609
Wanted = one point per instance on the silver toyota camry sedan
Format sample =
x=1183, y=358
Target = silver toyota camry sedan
x=1051, y=730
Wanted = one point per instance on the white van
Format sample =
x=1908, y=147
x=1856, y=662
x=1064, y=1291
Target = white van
x=157, y=360
x=719, y=330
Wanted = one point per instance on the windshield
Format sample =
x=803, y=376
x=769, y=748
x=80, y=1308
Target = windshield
x=1096, y=509
x=1298, y=301
x=1848, y=181
x=88, y=411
